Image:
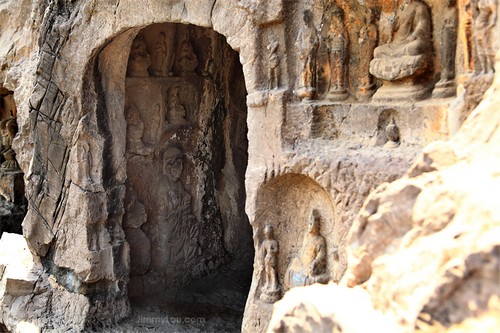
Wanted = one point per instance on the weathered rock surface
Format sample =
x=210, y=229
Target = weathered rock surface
x=311, y=309
x=425, y=247
x=105, y=90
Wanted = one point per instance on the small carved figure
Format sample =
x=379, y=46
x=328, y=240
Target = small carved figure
x=8, y=130
x=446, y=85
x=156, y=122
x=483, y=26
x=308, y=44
x=139, y=59
x=392, y=133
x=338, y=56
x=274, y=63
x=135, y=132
x=84, y=160
x=409, y=54
x=159, y=58
x=176, y=112
x=178, y=230
x=140, y=246
x=187, y=61
x=466, y=34
x=310, y=266
x=209, y=68
x=269, y=254
x=368, y=38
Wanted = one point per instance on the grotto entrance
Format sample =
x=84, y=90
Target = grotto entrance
x=191, y=247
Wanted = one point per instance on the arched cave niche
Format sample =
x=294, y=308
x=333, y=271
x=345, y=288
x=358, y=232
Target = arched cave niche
x=286, y=203
x=176, y=115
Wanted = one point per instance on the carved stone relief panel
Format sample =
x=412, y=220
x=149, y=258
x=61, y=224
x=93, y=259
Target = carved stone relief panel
x=176, y=113
x=394, y=51
x=295, y=213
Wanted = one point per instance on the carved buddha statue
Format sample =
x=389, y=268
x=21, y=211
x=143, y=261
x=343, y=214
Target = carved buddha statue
x=187, y=61
x=139, y=59
x=310, y=266
x=409, y=52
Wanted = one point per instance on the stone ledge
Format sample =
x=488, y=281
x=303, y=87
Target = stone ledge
x=20, y=271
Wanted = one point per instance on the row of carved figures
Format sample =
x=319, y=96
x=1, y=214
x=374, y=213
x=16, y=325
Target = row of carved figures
x=404, y=60
x=161, y=61
x=309, y=267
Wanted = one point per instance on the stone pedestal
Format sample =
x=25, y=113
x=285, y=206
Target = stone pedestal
x=401, y=91
x=444, y=89
x=338, y=95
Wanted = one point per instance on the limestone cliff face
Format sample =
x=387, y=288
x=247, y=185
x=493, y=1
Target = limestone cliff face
x=423, y=254
x=266, y=107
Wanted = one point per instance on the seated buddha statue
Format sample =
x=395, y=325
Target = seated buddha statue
x=410, y=48
x=310, y=266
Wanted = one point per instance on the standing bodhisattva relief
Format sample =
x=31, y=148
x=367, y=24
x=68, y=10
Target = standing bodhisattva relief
x=269, y=249
x=178, y=228
x=448, y=41
x=483, y=26
x=274, y=62
x=308, y=44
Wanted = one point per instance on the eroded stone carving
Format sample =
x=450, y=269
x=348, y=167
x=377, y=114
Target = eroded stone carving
x=209, y=68
x=176, y=112
x=269, y=248
x=392, y=133
x=8, y=130
x=135, y=132
x=466, y=23
x=161, y=58
x=483, y=25
x=308, y=44
x=140, y=245
x=178, y=228
x=310, y=266
x=407, y=56
x=368, y=38
x=448, y=38
x=139, y=59
x=338, y=41
x=187, y=61
x=274, y=62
